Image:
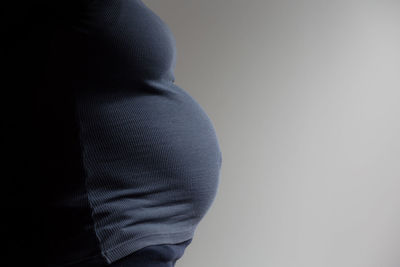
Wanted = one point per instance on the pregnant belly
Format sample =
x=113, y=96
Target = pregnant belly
x=144, y=155
x=154, y=147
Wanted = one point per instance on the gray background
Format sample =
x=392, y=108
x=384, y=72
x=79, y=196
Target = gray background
x=304, y=96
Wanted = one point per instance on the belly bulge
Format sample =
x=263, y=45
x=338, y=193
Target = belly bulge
x=143, y=138
x=150, y=148
x=149, y=153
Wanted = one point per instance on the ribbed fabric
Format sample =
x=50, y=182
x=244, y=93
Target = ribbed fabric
x=125, y=157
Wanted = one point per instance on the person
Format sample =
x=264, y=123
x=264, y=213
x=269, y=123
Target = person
x=111, y=163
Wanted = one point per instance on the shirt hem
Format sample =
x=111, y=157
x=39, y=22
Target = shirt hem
x=128, y=247
x=132, y=245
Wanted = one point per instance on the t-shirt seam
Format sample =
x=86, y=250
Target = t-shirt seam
x=85, y=175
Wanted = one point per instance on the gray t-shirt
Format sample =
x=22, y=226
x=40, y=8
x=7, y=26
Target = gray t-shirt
x=126, y=158
x=149, y=156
